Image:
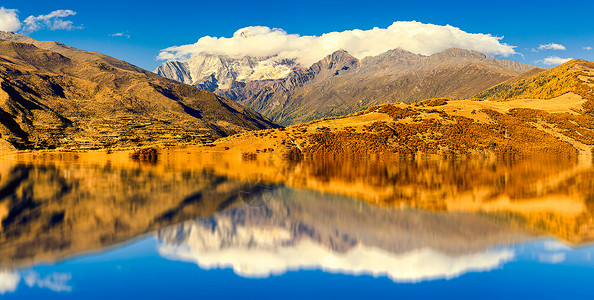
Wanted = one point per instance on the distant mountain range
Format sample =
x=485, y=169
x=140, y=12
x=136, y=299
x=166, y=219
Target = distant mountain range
x=340, y=84
x=52, y=95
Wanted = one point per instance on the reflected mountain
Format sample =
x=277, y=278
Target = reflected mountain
x=58, y=204
x=543, y=196
x=52, y=211
x=305, y=230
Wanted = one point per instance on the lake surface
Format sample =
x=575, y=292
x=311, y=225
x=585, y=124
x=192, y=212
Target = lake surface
x=194, y=225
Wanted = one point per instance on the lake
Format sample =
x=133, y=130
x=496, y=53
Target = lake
x=194, y=224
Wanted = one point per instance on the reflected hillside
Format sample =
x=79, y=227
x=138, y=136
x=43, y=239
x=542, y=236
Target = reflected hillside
x=543, y=195
x=50, y=211
x=305, y=230
x=57, y=204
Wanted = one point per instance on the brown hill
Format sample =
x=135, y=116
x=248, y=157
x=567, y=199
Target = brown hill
x=53, y=96
x=341, y=84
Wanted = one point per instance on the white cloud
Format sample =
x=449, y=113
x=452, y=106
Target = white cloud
x=413, y=36
x=9, y=20
x=51, y=21
x=57, y=282
x=120, y=34
x=8, y=282
x=587, y=48
x=554, y=60
x=551, y=46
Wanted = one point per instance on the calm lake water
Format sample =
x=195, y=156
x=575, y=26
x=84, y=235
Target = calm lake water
x=191, y=225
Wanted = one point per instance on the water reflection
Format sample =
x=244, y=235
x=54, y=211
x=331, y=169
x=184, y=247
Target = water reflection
x=9, y=281
x=49, y=212
x=308, y=231
x=419, y=220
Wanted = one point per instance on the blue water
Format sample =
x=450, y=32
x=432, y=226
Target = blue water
x=543, y=269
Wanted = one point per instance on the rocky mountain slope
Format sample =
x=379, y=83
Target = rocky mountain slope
x=341, y=84
x=52, y=95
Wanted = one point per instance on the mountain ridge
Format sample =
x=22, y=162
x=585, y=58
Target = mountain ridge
x=340, y=84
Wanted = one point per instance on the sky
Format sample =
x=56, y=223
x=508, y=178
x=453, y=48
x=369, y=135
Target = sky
x=542, y=33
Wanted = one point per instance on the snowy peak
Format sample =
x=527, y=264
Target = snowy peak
x=175, y=70
x=220, y=71
x=243, y=33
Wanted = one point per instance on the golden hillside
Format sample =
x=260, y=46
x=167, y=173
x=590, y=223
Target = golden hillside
x=53, y=96
x=574, y=76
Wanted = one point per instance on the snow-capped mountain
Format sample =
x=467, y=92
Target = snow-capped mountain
x=211, y=71
x=221, y=70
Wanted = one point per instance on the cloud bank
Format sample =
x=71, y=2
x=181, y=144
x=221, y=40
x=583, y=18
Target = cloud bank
x=551, y=46
x=9, y=281
x=412, y=36
x=9, y=20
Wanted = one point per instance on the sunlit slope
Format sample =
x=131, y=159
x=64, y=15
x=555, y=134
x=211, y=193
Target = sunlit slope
x=575, y=76
x=84, y=100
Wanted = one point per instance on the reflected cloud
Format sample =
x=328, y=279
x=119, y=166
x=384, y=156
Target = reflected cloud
x=9, y=281
x=414, y=266
x=305, y=231
x=554, y=258
x=555, y=246
x=57, y=282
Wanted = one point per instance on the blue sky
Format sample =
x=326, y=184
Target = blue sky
x=147, y=27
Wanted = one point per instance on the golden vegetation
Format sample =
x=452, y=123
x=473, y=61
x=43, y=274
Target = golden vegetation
x=545, y=85
x=433, y=102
